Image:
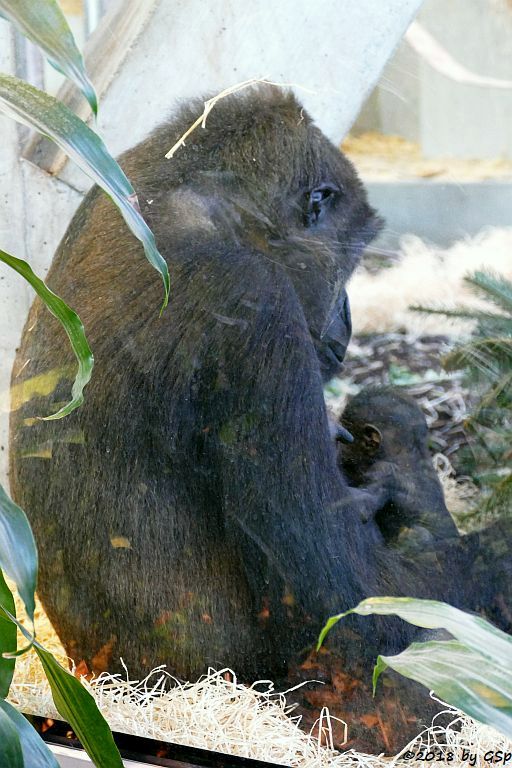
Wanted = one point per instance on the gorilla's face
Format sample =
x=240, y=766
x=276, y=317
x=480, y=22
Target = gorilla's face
x=280, y=187
x=333, y=224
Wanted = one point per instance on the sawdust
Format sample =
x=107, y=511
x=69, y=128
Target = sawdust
x=378, y=157
x=222, y=715
x=431, y=276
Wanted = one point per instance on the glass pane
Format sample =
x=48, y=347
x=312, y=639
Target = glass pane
x=289, y=437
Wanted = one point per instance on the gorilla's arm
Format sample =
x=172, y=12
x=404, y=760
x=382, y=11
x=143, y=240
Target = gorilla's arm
x=280, y=483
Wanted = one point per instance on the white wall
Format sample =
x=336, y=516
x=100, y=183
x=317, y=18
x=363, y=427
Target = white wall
x=443, y=116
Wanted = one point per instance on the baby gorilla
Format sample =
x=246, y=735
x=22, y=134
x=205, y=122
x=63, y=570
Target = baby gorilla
x=389, y=448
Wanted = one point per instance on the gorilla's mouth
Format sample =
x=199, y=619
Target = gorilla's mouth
x=335, y=353
x=331, y=355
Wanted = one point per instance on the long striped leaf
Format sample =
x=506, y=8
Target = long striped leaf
x=38, y=110
x=78, y=708
x=476, y=633
x=7, y=635
x=71, y=324
x=44, y=23
x=18, y=552
x=11, y=755
x=459, y=676
x=34, y=750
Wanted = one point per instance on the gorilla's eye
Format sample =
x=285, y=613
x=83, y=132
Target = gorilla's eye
x=318, y=195
x=317, y=202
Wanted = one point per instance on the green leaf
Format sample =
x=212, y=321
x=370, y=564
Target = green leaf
x=71, y=324
x=78, y=708
x=492, y=287
x=35, y=752
x=501, y=499
x=459, y=676
x=490, y=355
x=380, y=666
x=487, y=403
x=7, y=637
x=18, y=552
x=11, y=755
x=476, y=633
x=38, y=110
x=44, y=23
x=464, y=313
x=327, y=628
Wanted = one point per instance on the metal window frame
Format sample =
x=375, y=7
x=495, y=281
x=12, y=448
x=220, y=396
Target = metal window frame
x=136, y=751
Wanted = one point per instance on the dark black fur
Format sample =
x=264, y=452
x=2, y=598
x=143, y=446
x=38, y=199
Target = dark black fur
x=191, y=512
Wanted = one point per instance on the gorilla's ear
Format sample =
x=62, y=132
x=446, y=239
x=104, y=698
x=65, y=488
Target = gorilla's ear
x=187, y=209
x=372, y=438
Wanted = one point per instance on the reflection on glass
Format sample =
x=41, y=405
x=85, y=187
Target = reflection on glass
x=242, y=468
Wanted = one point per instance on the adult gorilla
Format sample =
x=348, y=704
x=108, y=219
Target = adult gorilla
x=191, y=512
